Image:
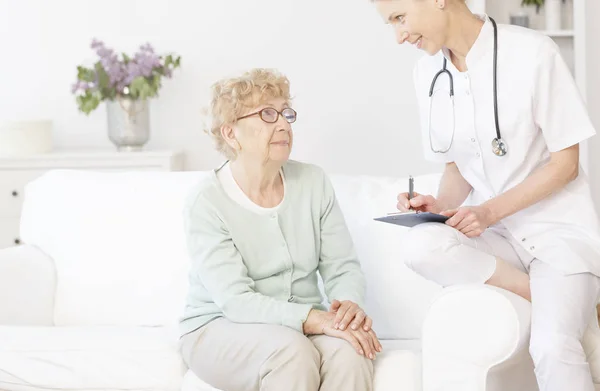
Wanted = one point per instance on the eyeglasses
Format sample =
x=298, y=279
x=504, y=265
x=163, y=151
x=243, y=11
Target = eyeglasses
x=270, y=115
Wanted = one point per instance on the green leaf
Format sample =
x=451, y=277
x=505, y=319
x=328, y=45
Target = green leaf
x=155, y=85
x=88, y=102
x=85, y=74
x=140, y=88
x=126, y=58
x=103, y=79
x=168, y=60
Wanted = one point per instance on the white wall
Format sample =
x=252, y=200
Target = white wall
x=593, y=92
x=352, y=82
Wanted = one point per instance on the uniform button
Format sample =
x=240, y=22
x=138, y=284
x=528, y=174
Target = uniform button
x=478, y=154
x=473, y=139
x=532, y=248
x=468, y=92
x=524, y=239
x=466, y=76
x=273, y=216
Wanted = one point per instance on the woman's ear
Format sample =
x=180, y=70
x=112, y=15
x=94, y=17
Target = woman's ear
x=228, y=134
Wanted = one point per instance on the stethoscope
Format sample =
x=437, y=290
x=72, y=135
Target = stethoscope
x=499, y=146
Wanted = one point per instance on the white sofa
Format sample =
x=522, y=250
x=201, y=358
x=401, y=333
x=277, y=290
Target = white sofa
x=92, y=299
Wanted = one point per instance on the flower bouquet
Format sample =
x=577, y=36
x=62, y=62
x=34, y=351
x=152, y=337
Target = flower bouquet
x=125, y=83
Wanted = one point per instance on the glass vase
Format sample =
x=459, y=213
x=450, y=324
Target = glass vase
x=128, y=123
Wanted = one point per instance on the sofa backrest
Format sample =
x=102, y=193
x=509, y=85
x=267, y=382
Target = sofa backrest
x=119, y=249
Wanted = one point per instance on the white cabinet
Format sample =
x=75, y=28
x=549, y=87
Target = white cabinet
x=16, y=172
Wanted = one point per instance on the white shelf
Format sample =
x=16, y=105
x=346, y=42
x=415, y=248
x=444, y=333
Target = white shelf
x=558, y=33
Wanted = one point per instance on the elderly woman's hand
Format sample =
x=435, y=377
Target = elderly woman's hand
x=347, y=311
x=366, y=343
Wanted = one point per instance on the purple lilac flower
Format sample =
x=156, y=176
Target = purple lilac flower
x=132, y=71
x=147, y=60
x=120, y=74
x=82, y=86
x=110, y=62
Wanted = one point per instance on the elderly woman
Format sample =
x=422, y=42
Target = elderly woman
x=258, y=230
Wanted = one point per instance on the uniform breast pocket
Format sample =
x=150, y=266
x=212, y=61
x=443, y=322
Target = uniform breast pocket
x=515, y=120
x=515, y=106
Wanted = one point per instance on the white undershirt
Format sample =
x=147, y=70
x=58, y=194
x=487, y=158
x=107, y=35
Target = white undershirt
x=233, y=190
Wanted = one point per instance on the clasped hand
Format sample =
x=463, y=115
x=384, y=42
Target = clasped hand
x=346, y=320
x=352, y=324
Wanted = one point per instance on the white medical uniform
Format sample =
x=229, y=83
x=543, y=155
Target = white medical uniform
x=557, y=240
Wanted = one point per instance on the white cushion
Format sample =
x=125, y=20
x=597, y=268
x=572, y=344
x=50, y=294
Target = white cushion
x=26, y=273
x=398, y=368
x=477, y=334
x=117, y=242
x=397, y=298
x=90, y=358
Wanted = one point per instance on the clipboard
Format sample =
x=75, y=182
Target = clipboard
x=412, y=218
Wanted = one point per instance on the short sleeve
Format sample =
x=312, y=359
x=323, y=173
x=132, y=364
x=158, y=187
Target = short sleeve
x=558, y=107
x=422, y=92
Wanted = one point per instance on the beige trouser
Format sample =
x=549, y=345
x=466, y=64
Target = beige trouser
x=245, y=357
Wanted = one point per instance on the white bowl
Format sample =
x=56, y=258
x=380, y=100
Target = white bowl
x=22, y=138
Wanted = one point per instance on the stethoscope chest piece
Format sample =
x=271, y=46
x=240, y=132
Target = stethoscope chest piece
x=499, y=147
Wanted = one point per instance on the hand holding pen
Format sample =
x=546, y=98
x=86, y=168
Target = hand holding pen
x=412, y=200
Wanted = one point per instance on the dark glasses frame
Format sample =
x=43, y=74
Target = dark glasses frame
x=279, y=113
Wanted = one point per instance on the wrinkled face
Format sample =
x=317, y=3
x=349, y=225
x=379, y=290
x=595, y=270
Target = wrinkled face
x=262, y=141
x=422, y=23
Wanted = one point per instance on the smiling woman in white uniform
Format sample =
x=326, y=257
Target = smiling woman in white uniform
x=531, y=227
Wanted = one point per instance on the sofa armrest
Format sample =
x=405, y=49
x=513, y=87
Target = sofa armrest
x=476, y=338
x=27, y=287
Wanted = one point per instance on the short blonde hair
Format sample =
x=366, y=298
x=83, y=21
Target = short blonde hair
x=231, y=97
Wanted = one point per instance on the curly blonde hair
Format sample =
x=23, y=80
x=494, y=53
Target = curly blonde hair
x=231, y=97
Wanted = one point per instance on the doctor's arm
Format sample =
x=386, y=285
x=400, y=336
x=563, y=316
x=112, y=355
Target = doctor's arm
x=562, y=168
x=560, y=113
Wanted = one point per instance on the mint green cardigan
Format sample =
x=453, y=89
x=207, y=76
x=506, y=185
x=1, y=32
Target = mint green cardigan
x=253, y=268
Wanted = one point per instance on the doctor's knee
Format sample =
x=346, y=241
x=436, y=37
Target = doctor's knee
x=550, y=349
x=424, y=245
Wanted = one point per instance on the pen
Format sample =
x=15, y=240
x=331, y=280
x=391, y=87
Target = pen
x=410, y=187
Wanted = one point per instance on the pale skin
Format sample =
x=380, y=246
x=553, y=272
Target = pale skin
x=432, y=25
x=261, y=149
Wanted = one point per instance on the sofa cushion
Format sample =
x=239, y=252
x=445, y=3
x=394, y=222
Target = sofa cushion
x=89, y=358
x=117, y=242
